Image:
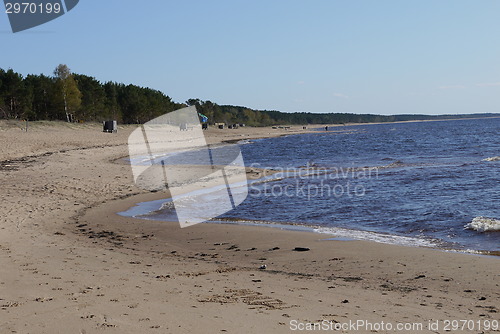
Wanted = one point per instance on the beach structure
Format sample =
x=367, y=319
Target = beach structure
x=110, y=126
x=220, y=125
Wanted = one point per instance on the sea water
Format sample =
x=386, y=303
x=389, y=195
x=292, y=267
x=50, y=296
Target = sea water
x=430, y=184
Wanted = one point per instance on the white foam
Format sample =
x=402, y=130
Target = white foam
x=492, y=159
x=245, y=142
x=377, y=237
x=483, y=224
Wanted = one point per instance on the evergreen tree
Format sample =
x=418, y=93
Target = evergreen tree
x=14, y=99
x=112, y=107
x=40, y=87
x=93, y=98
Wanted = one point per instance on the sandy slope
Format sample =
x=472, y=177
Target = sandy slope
x=69, y=264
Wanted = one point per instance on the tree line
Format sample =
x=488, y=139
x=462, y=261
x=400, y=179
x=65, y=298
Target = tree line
x=78, y=97
x=236, y=114
x=82, y=98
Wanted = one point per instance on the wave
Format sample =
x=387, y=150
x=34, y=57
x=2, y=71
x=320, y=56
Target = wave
x=483, y=224
x=394, y=164
x=339, y=233
x=379, y=237
x=492, y=159
x=245, y=142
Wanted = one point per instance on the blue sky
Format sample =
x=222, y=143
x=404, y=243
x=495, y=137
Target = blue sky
x=384, y=57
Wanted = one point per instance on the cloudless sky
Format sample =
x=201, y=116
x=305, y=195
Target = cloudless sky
x=356, y=56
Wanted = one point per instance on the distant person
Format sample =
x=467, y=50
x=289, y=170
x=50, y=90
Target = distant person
x=326, y=128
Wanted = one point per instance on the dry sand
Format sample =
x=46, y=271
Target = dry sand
x=70, y=264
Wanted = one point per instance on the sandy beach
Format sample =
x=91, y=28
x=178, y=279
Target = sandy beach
x=70, y=264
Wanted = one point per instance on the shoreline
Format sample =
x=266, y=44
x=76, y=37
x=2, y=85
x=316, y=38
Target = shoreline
x=138, y=211
x=335, y=232
x=71, y=264
x=359, y=271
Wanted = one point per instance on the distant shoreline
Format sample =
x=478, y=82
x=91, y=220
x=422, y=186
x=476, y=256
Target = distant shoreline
x=400, y=122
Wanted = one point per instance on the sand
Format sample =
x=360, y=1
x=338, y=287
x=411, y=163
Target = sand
x=70, y=264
